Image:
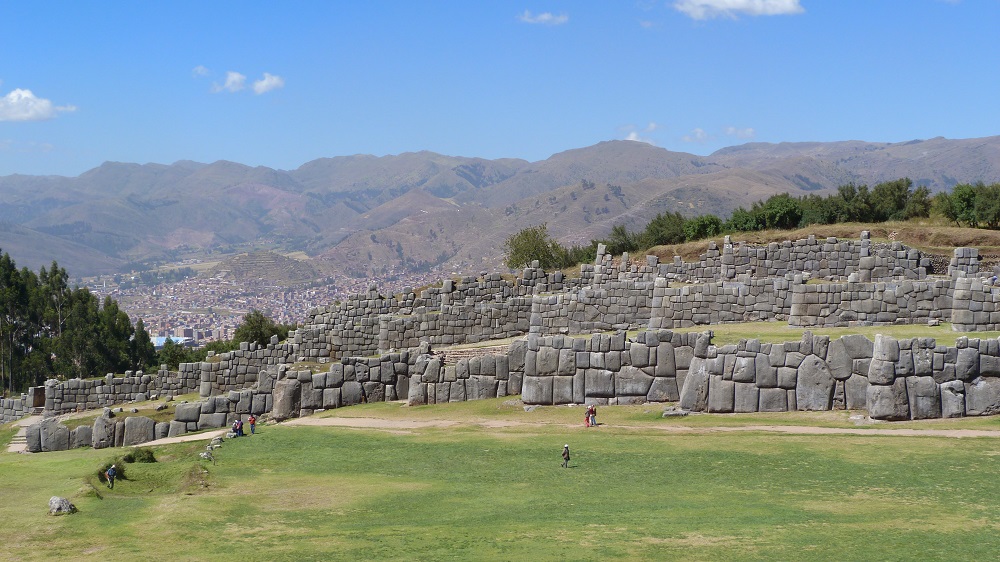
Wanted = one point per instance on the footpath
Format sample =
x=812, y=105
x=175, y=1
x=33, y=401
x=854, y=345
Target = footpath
x=19, y=443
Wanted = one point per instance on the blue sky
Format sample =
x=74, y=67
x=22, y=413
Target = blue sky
x=281, y=83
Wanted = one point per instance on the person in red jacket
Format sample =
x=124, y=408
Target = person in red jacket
x=253, y=423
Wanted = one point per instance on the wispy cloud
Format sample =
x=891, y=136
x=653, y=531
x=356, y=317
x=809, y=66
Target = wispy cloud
x=707, y=9
x=544, y=18
x=744, y=133
x=22, y=105
x=640, y=134
x=234, y=83
x=696, y=136
x=267, y=83
x=199, y=71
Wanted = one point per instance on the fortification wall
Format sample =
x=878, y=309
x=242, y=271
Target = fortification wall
x=736, y=283
x=891, y=379
x=12, y=409
x=828, y=258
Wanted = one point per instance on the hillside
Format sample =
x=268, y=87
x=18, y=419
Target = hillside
x=364, y=215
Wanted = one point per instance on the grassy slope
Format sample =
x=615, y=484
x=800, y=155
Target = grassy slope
x=934, y=236
x=474, y=493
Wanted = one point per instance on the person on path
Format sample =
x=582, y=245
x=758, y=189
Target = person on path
x=565, y=456
x=593, y=415
x=253, y=422
x=586, y=418
x=110, y=474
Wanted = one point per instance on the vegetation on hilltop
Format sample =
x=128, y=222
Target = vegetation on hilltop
x=976, y=206
x=48, y=328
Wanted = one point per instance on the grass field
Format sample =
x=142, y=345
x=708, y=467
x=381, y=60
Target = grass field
x=490, y=487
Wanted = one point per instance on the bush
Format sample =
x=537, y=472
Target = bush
x=119, y=470
x=139, y=454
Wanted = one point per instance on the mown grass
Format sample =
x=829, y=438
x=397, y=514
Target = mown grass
x=777, y=332
x=487, y=493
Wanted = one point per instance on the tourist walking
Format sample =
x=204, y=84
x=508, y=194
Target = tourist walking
x=253, y=423
x=565, y=456
x=110, y=474
x=592, y=411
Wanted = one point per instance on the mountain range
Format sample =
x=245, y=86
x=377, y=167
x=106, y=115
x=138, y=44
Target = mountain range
x=367, y=216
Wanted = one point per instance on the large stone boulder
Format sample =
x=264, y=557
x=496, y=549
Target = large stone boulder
x=537, y=390
x=663, y=389
x=839, y=361
x=54, y=436
x=721, y=394
x=632, y=381
x=104, y=431
x=953, y=399
x=814, y=386
x=747, y=397
x=33, y=436
x=925, y=398
x=287, y=398
x=82, y=436
x=138, y=429
x=694, y=394
x=982, y=397
x=351, y=393
x=599, y=383
x=187, y=412
x=60, y=506
x=773, y=400
x=889, y=402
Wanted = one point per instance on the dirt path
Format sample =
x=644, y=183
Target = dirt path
x=396, y=424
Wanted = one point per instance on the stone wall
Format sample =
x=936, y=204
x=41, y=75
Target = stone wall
x=827, y=258
x=12, y=409
x=850, y=304
x=891, y=379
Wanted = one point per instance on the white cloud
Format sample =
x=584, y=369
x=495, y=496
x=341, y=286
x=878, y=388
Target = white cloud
x=22, y=105
x=545, y=18
x=267, y=83
x=696, y=135
x=745, y=133
x=652, y=127
x=234, y=83
x=707, y=9
x=635, y=136
x=200, y=71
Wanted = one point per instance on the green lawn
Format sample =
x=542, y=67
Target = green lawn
x=634, y=491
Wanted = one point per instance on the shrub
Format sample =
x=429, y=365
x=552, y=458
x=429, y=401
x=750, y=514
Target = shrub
x=139, y=454
x=119, y=470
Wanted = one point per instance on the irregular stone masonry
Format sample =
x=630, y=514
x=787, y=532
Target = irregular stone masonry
x=828, y=258
x=12, y=409
x=964, y=262
x=745, y=283
x=87, y=394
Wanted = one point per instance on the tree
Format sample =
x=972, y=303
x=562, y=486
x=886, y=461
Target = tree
x=889, y=199
x=987, y=205
x=172, y=354
x=963, y=202
x=621, y=240
x=704, y=226
x=258, y=327
x=665, y=228
x=781, y=211
x=142, y=352
x=529, y=244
